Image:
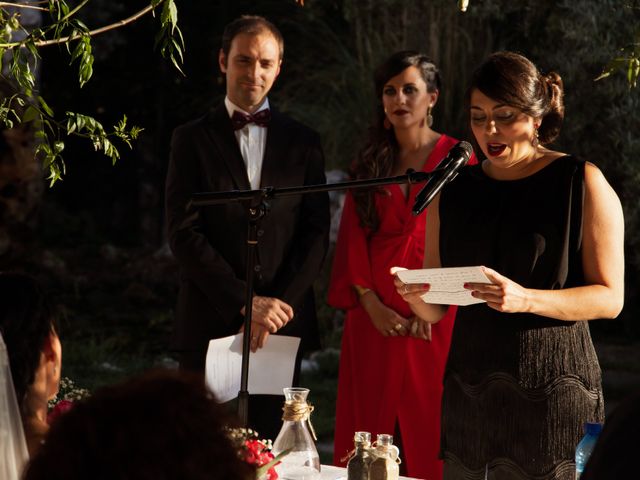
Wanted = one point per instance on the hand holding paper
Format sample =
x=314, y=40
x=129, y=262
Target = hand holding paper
x=446, y=284
x=270, y=368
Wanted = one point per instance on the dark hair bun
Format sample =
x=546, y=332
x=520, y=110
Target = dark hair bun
x=552, y=119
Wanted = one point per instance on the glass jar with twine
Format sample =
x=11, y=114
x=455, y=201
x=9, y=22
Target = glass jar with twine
x=297, y=437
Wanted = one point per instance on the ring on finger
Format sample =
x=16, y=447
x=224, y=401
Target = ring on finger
x=391, y=331
x=397, y=327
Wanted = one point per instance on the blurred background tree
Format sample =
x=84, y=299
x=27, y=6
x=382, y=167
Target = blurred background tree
x=34, y=135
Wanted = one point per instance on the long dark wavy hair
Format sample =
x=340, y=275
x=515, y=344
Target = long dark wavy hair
x=26, y=320
x=377, y=157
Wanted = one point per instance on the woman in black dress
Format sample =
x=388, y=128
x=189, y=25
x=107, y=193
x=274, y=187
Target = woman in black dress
x=522, y=375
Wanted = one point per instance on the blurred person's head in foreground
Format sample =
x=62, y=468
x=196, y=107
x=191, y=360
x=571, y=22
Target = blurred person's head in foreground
x=161, y=425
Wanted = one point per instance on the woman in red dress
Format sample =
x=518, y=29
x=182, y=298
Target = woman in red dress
x=391, y=366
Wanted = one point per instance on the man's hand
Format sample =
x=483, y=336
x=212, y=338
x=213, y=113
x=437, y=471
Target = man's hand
x=268, y=316
x=259, y=335
x=271, y=313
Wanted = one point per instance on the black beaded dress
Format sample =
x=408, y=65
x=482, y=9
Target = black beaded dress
x=517, y=387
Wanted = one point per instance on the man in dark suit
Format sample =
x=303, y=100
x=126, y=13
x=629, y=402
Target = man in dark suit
x=244, y=144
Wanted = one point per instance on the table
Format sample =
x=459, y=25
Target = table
x=329, y=472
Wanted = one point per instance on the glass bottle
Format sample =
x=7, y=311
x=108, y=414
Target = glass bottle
x=302, y=461
x=585, y=447
x=358, y=465
x=384, y=465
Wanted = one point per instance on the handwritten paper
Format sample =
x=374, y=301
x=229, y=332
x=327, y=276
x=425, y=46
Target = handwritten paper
x=270, y=368
x=446, y=283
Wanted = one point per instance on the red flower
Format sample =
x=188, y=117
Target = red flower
x=253, y=451
x=61, y=407
x=256, y=453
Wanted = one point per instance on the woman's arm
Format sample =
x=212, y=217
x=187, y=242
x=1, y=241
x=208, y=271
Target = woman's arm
x=428, y=312
x=351, y=278
x=602, y=296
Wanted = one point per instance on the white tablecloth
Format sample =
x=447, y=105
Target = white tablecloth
x=329, y=472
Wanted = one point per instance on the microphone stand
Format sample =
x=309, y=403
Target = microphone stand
x=257, y=208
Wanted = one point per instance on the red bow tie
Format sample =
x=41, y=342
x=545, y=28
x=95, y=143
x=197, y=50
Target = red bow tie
x=261, y=118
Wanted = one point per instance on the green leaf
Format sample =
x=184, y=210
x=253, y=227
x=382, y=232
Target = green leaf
x=78, y=51
x=29, y=43
x=165, y=16
x=43, y=148
x=176, y=48
x=30, y=114
x=173, y=14
x=44, y=105
x=604, y=74
x=20, y=70
x=80, y=25
x=122, y=124
x=13, y=22
x=56, y=170
x=135, y=131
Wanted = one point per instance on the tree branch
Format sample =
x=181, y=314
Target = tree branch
x=97, y=31
x=23, y=5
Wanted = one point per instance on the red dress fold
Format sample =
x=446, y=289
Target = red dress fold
x=388, y=380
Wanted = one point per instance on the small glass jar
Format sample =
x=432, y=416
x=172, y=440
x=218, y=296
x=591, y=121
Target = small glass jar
x=358, y=465
x=386, y=458
x=301, y=461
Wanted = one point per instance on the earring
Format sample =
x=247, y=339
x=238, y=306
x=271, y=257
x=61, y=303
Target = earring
x=386, y=124
x=429, y=117
x=535, y=142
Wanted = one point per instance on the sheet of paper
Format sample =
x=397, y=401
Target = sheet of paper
x=446, y=283
x=270, y=368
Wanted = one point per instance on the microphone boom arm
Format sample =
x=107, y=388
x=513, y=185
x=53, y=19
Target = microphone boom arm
x=215, y=198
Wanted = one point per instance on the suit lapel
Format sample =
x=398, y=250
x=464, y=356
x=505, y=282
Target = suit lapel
x=273, y=164
x=221, y=132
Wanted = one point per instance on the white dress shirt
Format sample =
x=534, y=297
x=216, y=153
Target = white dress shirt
x=251, y=140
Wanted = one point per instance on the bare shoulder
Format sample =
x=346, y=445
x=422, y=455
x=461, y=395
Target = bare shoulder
x=601, y=200
x=596, y=183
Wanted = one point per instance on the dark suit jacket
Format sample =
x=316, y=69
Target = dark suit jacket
x=210, y=243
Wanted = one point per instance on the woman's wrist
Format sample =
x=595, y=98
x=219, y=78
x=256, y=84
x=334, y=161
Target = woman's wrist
x=360, y=291
x=428, y=312
x=368, y=300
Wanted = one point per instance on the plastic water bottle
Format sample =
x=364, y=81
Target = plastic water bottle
x=585, y=447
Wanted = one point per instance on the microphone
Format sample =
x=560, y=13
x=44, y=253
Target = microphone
x=444, y=173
